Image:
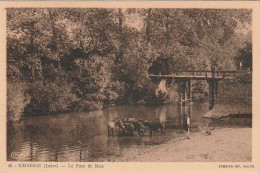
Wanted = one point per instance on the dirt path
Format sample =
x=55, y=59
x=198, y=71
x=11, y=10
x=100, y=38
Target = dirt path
x=224, y=145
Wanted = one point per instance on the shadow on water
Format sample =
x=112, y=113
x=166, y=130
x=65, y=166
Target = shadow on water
x=83, y=136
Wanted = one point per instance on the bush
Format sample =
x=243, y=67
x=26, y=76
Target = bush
x=161, y=97
x=244, y=77
x=153, y=95
x=50, y=98
x=113, y=92
x=199, y=90
x=173, y=93
x=17, y=99
x=86, y=105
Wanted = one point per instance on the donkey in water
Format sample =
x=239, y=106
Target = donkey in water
x=137, y=124
x=126, y=127
x=155, y=127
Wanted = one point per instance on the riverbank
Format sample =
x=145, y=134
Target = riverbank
x=230, y=141
x=223, y=145
x=221, y=110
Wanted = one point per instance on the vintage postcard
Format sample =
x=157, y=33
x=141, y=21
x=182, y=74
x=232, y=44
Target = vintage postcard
x=130, y=86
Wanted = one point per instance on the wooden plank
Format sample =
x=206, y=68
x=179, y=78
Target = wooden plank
x=202, y=71
x=183, y=91
x=186, y=77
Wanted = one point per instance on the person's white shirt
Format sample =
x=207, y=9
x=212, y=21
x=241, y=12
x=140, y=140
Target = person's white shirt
x=188, y=121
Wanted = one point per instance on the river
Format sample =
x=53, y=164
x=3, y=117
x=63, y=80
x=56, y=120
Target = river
x=74, y=137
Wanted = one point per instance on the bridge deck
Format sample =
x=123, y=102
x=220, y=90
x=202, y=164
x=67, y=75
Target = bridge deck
x=197, y=75
x=187, y=77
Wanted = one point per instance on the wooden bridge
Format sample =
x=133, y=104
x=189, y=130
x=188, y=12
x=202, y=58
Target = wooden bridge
x=197, y=75
x=212, y=77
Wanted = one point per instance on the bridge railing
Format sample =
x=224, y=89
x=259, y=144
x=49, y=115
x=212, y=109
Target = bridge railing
x=204, y=73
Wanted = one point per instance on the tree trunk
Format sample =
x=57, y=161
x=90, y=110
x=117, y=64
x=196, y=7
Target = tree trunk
x=54, y=38
x=148, y=26
x=120, y=21
x=167, y=28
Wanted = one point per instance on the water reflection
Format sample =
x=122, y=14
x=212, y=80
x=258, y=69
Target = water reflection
x=83, y=136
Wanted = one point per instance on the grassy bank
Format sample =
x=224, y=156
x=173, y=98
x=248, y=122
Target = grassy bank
x=234, y=97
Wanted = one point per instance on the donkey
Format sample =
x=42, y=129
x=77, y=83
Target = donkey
x=155, y=127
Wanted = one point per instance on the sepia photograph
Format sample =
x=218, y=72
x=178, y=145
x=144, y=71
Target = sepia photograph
x=129, y=84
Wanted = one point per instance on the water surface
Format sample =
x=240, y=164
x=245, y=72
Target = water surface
x=74, y=137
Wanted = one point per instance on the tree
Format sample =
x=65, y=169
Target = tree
x=188, y=38
x=99, y=56
x=23, y=40
x=245, y=56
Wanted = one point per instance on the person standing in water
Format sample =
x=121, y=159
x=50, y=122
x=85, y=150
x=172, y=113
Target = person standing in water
x=163, y=117
x=187, y=126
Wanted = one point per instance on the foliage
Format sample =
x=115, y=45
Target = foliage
x=195, y=39
x=245, y=57
x=235, y=92
x=80, y=59
x=173, y=92
x=17, y=100
x=92, y=78
x=199, y=90
x=135, y=64
x=244, y=77
x=50, y=98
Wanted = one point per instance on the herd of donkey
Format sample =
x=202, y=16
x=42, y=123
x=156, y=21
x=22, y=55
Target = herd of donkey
x=127, y=127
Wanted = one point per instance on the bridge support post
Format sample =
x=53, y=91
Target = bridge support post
x=189, y=90
x=183, y=97
x=216, y=89
x=212, y=92
x=186, y=97
x=183, y=92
